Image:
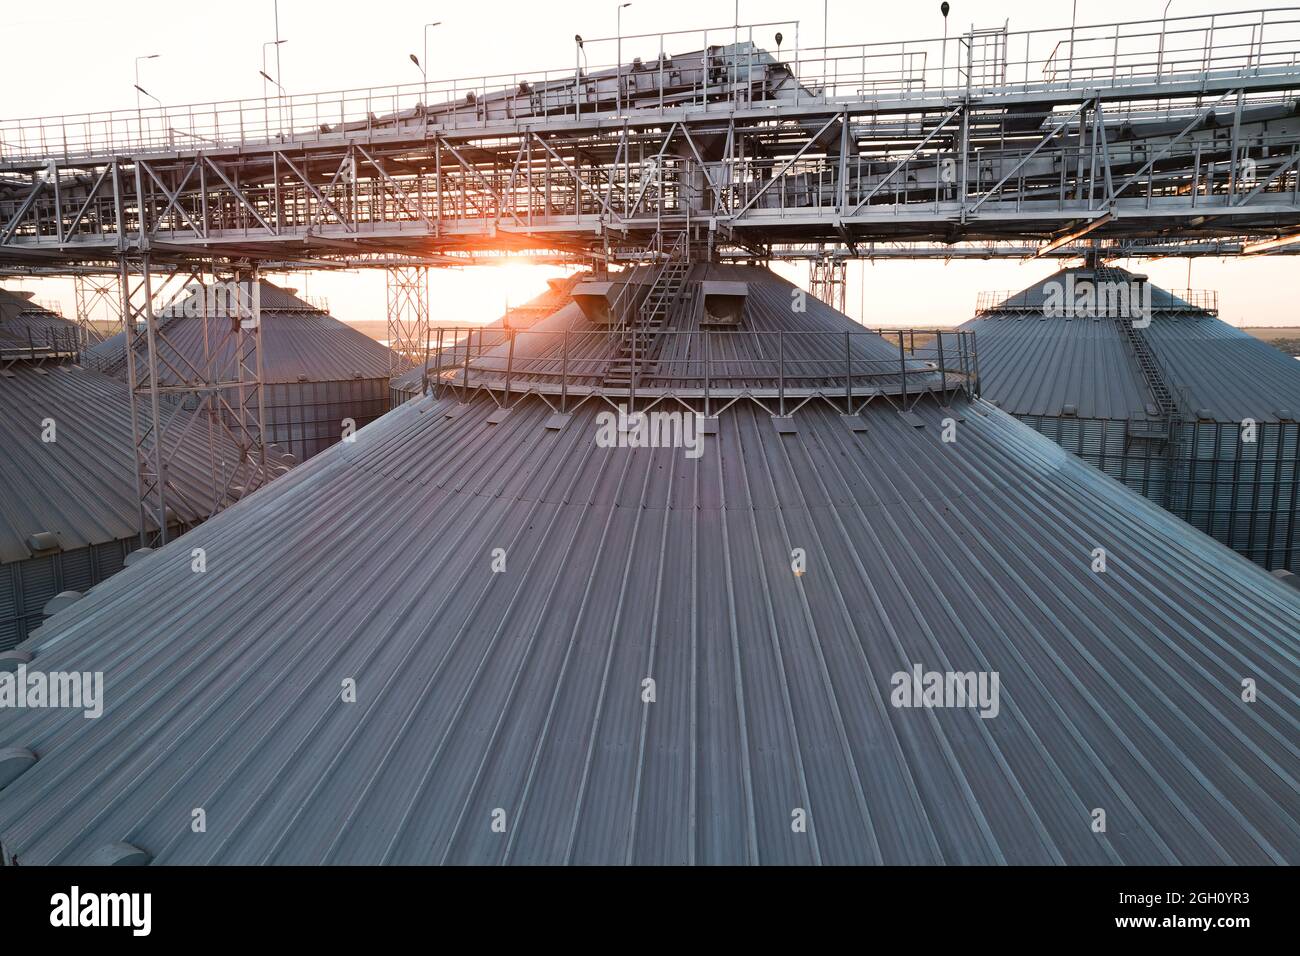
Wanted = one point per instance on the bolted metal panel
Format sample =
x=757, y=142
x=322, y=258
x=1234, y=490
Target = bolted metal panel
x=27, y=586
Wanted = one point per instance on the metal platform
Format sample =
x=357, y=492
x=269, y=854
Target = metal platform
x=1176, y=130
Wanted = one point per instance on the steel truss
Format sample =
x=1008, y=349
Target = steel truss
x=1171, y=137
x=828, y=281
x=175, y=402
x=408, y=316
x=99, y=306
x=741, y=149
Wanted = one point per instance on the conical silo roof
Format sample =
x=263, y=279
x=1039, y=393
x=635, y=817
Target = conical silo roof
x=300, y=342
x=1037, y=362
x=499, y=588
x=80, y=486
x=557, y=295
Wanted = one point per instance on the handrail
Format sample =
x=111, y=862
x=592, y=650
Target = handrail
x=839, y=366
x=1027, y=300
x=1248, y=43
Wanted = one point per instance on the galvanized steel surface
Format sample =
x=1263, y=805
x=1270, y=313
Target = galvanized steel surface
x=1033, y=363
x=521, y=691
x=557, y=296
x=81, y=485
x=24, y=323
x=299, y=343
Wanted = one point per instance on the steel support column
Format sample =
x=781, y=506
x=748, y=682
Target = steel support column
x=213, y=403
x=828, y=280
x=408, y=316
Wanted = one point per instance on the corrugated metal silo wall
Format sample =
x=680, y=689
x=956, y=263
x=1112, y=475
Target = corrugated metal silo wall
x=400, y=395
x=1246, y=495
x=305, y=418
x=1243, y=493
x=26, y=586
x=1105, y=443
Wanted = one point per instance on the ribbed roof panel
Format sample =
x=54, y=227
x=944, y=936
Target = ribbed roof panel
x=81, y=486
x=1031, y=364
x=521, y=691
x=299, y=343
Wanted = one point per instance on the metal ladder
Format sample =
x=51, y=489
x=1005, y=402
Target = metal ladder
x=1170, y=412
x=637, y=331
x=1151, y=370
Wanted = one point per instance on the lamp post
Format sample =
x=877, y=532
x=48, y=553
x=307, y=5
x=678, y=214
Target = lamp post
x=266, y=100
x=826, y=41
x=943, y=51
x=266, y=78
x=424, y=65
x=276, y=81
x=139, y=115
x=1160, y=58
x=618, y=78
x=578, y=56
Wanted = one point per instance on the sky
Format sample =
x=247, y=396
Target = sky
x=79, y=56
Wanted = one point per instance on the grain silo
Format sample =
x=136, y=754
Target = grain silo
x=1154, y=389
x=407, y=386
x=509, y=624
x=318, y=372
x=69, y=509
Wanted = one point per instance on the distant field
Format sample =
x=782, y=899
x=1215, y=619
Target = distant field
x=1280, y=337
x=378, y=330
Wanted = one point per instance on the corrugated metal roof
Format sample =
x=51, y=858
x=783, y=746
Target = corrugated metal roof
x=1034, y=366
x=81, y=486
x=1225, y=370
x=746, y=357
x=299, y=343
x=556, y=297
x=23, y=323
x=1031, y=364
x=521, y=691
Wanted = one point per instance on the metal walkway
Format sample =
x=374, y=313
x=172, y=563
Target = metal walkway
x=1182, y=129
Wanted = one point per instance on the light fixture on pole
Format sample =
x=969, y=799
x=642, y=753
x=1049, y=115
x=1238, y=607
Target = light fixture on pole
x=424, y=63
x=578, y=55
x=266, y=100
x=276, y=81
x=943, y=54
x=619, y=54
x=139, y=89
x=826, y=40
x=1164, y=25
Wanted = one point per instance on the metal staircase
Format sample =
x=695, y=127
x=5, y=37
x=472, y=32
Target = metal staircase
x=1164, y=433
x=1152, y=372
x=637, y=327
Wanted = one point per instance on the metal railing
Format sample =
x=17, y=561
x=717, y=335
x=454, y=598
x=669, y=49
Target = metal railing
x=1033, y=301
x=736, y=61
x=50, y=345
x=780, y=369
